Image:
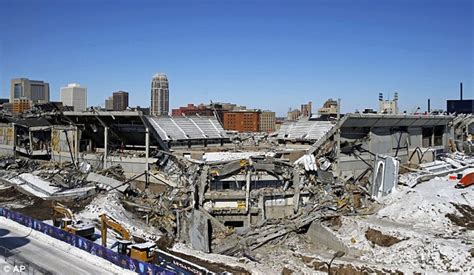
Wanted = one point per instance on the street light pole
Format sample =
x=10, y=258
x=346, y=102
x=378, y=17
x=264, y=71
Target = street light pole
x=338, y=254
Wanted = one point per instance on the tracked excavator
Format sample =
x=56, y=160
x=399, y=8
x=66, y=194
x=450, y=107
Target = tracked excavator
x=64, y=219
x=139, y=251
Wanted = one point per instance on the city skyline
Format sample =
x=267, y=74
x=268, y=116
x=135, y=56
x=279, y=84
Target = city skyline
x=284, y=54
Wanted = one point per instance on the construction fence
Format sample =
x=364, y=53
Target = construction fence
x=88, y=246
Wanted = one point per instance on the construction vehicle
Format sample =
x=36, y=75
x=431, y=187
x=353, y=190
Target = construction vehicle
x=466, y=181
x=64, y=219
x=142, y=251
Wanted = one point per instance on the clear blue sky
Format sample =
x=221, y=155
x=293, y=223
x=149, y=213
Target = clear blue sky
x=263, y=54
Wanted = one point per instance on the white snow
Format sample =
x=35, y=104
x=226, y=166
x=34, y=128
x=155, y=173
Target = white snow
x=434, y=244
x=109, y=203
x=229, y=156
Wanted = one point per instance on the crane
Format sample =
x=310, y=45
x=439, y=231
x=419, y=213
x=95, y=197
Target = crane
x=143, y=251
x=64, y=218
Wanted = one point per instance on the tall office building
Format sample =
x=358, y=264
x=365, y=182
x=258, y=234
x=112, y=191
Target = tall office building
x=74, y=95
x=267, y=121
x=307, y=109
x=120, y=100
x=109, y=103
x=34, y=90
x=160, y=95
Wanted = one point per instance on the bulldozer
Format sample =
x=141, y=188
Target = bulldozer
x=140, y=251
x=64, y=218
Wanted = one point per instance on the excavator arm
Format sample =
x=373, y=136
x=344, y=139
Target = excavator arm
x=61, y=211
x=107, y=222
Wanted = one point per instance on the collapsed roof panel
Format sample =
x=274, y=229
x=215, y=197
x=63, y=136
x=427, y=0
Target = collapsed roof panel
x=127, y=127
x=372, y=120
x=187, y=128
x=32, y=122
x=304, y=130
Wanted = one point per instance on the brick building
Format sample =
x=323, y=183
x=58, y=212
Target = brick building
x=242, y=121
x=20, y=105
x=120, y=100
x=192, y=110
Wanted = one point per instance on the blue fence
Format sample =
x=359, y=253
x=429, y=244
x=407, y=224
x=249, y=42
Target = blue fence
x=87, y=245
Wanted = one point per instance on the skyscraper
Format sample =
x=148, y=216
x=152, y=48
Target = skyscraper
x=160, y=102
x=34, y=90
x=74, y=95
x=120, y=100
x=109, y=104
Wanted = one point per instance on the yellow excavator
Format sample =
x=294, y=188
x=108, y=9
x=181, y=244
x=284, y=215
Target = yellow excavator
x=141, y=251
x=64, y=219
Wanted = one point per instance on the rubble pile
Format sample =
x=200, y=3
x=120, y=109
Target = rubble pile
x=115, y=172
x=59, y=181
x=301, y=196
x=309, y=183
x=18, y=165
x=64, y=175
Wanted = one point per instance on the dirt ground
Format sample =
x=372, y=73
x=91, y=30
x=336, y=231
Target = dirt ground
x=381, y=239
x=466, y=219
x=214, y=267
x=38, y=208
x=41, y=210
x=345, y=269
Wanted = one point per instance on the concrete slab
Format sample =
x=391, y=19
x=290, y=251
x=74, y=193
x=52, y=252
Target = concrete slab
x=112, y=183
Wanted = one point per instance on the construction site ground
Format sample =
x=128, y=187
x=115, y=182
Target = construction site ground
x=427, y=228
x=88, y=211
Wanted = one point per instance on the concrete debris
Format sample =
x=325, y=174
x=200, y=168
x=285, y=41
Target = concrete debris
x=115, y=172
x=210, y=157
x=58, y=181
x=308, y=162
x=385, y=176
x=35, y=186
x=370, y=185
x=106, y=182
x=199, y=232
x=451, y=164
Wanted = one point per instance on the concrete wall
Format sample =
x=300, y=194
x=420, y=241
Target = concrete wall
x=321, y=235
x=6, y=139
x=6, y=135
x=130, y=165
x=379, y=140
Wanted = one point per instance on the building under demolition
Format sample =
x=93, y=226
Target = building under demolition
x=231, y=193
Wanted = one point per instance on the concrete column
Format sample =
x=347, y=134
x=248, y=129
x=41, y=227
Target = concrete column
x=432, y=136
x=261, y=206
x=296, y=187
x=106, y=146
x=14, y=140
x=337, y=136
x=247, y=191
x=76, y=146
x=30, y=134
x=147, y=148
